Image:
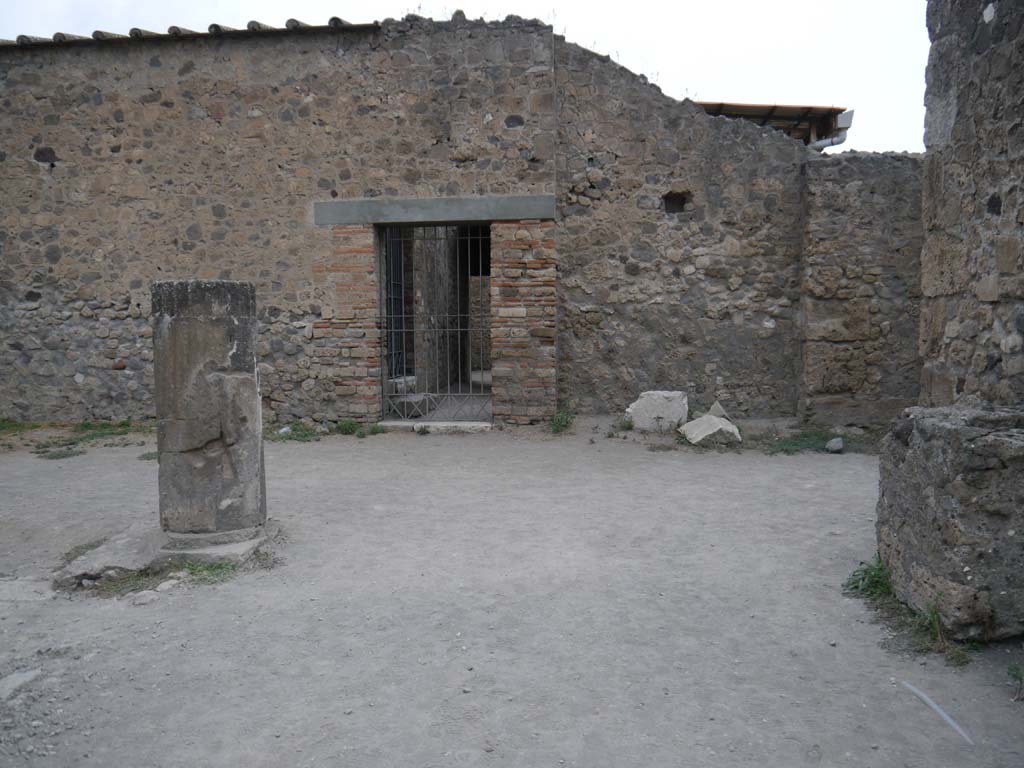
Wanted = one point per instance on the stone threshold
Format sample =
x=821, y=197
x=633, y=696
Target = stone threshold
x=438, y=427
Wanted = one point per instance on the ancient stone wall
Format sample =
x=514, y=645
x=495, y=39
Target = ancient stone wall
x=130, y=161
x=126, y=162
x=705, y=300
x=972, y=276
x=952, y=476
x=860, y=291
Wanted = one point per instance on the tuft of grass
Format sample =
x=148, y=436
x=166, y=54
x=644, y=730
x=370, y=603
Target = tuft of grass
x=1015, y=672
x=930, y=637
x=83, y=433
x=920, y=631
x=210, y=573
x=10, y=427
x=347, y=427
x=128, y=581
x=562, y=420
x=871, y=580
x=422, y=430
x=625, y=424
x=59, y=453
x=297, y=431
x=149, y=456
x=370, y=429
x=93, y=430
x=808, y=440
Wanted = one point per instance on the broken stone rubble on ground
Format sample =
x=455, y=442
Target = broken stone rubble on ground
x=711, y=430
x=658, y=411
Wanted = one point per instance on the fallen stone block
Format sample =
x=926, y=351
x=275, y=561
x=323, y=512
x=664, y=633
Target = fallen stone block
x=951, y=516
x=711, y=430
x=835, y=445
x=658, y=411
x=717, y=410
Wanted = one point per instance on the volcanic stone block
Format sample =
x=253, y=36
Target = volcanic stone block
x=209, y=429
x=951, y=515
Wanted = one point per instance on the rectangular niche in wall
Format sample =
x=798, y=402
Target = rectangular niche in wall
x=677, y=202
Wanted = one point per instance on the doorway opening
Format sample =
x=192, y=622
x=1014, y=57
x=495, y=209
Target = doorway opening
x=436, y=307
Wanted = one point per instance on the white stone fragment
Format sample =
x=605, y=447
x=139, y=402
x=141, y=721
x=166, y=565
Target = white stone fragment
x=707, y=426
x=658, y=411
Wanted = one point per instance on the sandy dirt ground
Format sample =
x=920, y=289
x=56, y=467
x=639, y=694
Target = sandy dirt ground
x=511, y=599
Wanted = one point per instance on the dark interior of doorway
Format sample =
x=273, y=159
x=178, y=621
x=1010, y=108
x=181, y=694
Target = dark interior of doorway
x=436, y=286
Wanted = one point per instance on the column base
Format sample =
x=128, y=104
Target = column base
x=234, y=547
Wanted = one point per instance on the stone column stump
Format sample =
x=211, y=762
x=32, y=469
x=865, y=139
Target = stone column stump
x=209, y=424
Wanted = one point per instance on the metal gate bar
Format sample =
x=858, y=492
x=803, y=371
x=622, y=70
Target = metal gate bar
x=435, y=304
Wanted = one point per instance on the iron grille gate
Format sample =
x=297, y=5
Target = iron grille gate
x=435, y=304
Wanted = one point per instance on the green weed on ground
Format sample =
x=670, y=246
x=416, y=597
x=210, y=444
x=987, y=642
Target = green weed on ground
x=210, y=573
x=94, y=430
x=562, y=420
x=870, y=580
x=296, y=431
x=149, y=456
x=83, y=434
x=347, y=427
x=128, y=581
x=624, y=424
x=8, y=427
x=808, y=440
x=59, y=453
x=917, y=631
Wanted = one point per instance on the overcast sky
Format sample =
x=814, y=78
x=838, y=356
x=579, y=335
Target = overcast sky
x=867, y=55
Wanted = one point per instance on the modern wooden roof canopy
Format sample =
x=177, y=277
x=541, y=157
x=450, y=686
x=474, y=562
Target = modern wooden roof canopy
x=806, y=123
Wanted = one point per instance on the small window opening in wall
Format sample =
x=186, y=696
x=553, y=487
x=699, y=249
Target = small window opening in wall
x=677, y=202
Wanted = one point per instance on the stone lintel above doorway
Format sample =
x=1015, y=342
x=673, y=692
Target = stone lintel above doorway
x=415, y=210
